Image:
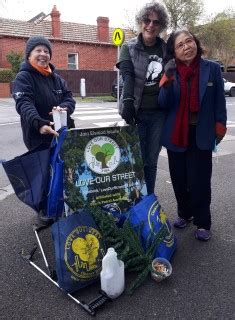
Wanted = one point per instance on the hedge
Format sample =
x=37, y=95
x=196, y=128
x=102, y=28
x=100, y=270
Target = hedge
x=6, y=75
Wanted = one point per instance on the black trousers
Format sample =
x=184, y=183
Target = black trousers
x=190, y=173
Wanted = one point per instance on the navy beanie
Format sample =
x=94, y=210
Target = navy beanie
x=37, y=41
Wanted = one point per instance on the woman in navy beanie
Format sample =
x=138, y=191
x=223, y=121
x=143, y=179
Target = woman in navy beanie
x=37, y=89
x=34, y=42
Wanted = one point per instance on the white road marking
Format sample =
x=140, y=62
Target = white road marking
x=229, y=137
x=220, y=153
x=230, y=124
x=88, y=108
x=111, y=116
x=9, y=123
x=95, y=111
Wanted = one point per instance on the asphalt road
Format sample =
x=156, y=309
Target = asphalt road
x=201, y=285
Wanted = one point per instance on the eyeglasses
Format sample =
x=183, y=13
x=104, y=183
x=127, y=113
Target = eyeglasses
x=189, y=42
x=147, y=21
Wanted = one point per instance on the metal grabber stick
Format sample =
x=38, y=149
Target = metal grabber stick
x=35, y=230
x=89, y=307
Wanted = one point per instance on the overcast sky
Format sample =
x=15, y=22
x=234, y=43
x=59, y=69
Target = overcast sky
x=120, y=12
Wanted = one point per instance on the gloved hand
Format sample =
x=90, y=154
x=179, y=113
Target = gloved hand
x=218, y=140
x=128, y=112
x=170, y=68
x=220, y=131
x=39, y=122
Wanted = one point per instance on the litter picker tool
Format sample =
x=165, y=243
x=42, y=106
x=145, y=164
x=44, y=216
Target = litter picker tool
x=88, y=307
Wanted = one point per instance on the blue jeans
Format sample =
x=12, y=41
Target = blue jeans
x=150, y=128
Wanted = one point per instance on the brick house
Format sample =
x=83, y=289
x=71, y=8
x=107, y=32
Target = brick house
x=78, y=50
x=75, y=46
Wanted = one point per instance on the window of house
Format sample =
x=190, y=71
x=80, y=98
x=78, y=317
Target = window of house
x=73, y=61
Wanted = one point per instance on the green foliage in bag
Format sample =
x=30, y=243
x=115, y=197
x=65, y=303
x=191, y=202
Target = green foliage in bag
x=126, y=241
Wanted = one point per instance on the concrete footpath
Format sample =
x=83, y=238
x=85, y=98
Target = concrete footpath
x=200, y=286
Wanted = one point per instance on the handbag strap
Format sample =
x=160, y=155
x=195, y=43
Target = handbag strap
x=57, y=143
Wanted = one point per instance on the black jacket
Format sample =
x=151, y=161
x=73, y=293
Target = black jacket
x=134, y=72
x=35, y=96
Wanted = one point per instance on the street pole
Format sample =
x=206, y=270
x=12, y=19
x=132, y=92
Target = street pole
x=118, y=76
x=118, y=38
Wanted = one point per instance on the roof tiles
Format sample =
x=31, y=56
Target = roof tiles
x=74, y=32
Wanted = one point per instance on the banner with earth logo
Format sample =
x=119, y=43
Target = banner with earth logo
x=103, y=167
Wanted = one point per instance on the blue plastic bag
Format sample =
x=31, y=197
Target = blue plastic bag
x=55, y=197
x=79, y=250
x=150, y=214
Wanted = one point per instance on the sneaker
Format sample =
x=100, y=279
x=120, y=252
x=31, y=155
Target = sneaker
x=202, y=234
x=182, y=223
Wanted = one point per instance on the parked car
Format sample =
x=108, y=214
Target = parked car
x=231, y=68
x=229, y=88
x=114, y=87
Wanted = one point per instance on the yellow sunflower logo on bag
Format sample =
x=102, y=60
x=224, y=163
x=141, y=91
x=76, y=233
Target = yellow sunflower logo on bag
x=87, y=248
x=84, y=251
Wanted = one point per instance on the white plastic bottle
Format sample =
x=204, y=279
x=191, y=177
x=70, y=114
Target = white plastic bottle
x=59, y=118
x=112, y=275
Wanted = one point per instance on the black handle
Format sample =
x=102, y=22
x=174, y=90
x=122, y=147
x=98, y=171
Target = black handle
x=98, y=302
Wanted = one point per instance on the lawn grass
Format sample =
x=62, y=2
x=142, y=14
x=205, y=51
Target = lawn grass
x=96, y=99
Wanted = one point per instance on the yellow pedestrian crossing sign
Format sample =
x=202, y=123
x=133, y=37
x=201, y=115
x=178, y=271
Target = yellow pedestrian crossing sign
x=118, y=37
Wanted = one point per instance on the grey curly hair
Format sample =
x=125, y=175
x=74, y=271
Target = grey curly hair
x=156, y=7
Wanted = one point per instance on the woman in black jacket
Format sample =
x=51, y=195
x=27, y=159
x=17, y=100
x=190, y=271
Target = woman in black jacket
x=141, y=65
x=37, y=89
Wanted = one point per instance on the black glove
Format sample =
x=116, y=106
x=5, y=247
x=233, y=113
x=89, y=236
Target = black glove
x=38, y=123
x=128, y=112
x=170, y=68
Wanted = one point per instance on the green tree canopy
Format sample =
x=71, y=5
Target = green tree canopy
x=217, y=36
x=184, y=13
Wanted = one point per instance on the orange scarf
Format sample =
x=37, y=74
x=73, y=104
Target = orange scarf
x=44, y=71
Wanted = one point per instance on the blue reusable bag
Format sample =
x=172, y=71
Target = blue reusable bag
x=150, y=214
x=55, y=196
x=37, y=177
x=79, y=250
x=28, y=175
